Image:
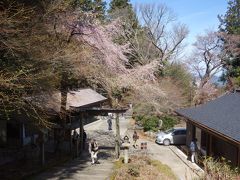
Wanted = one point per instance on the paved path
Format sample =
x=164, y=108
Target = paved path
x=102, y=125
x=168, y=157
x=81, y=167
x=173, y=157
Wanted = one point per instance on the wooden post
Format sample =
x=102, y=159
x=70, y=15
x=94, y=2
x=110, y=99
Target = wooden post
x=71, y=142
x=42, y=153
x=77, y=147
x=42, y=148
x=210, y=145
x=21, y=134
x=238, y=156
x=81, y=133
x=117, y=144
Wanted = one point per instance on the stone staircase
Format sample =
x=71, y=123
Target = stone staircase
x=78, y=169
x=81, y=168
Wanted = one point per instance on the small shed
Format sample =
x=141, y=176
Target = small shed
x=216, y=126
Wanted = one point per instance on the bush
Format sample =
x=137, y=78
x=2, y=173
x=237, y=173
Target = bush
x=219, y=169
x=168, y=122
x=150, y=123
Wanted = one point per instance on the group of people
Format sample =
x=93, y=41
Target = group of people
x=93, y=146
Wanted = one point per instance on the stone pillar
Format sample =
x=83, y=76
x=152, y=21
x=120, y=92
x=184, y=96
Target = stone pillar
x=126, y=146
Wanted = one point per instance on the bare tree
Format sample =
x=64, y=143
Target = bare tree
x=165, y=35
x=206, y=59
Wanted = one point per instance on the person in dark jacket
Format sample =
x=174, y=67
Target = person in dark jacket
x=109, y=121
x=135, y=138
x=193, y=149
x=93, y=150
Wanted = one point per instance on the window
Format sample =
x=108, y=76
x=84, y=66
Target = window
x=169, y=131
x=183, y=132
x=177, y=132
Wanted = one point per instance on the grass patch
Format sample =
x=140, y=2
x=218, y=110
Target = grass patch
x=219, y=169
x=163, y=168
x=141, y=167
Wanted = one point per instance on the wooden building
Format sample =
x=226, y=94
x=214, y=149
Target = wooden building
x=216, y=125
x=18, y=132
x=82, y=107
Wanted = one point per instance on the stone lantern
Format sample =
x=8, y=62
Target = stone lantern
x=126, y=145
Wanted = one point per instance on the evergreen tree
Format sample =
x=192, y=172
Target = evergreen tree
x=123, y=9
x=126, y=6
x=126, y=9
x=99, y=7
x=230, y=24
x=84, y=5
x=119, y=4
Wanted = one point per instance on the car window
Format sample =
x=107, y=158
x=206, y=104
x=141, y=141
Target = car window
x=177, y=132
x=169, y=131
x=183, y=132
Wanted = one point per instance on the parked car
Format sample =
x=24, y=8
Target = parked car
x=172, y=136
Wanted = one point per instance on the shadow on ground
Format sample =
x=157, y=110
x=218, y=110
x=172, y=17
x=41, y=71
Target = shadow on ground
x=81, y=166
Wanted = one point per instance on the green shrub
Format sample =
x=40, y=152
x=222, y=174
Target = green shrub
x=168, y=122
x=139, y=118
x=150, y=123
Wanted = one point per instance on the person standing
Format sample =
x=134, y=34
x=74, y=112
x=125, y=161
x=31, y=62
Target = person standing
x=93, y=150
x=109, y=121
x=193, y=149
x=135, y=138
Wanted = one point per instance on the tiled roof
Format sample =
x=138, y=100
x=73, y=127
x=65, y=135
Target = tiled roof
x=221, y=115
x=78, y=98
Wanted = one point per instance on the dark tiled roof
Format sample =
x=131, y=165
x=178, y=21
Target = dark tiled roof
x=221, y=115
x=78, y=98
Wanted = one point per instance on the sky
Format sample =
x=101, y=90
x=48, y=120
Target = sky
x=198, y=15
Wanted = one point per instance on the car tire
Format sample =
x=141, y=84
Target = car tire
x=166, y=142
